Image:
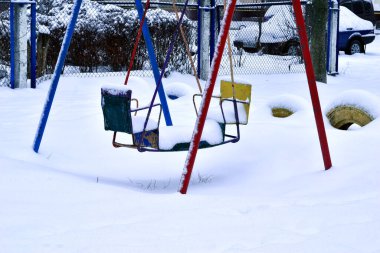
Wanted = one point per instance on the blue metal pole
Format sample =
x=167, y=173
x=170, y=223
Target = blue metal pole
x=212, y=30
x=153, y=62
x=199, y=38
x=33, y=50
x=57, y=75
x=218, y=18
x=337, y=41
x=12, y=39
x=328, y=35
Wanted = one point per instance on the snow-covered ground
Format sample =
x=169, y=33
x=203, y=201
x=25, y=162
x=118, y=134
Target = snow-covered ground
x=267, y=193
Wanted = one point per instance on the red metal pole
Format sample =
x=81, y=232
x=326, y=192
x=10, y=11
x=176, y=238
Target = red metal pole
x=136, y=42
x=312, y=84
x=198, y=129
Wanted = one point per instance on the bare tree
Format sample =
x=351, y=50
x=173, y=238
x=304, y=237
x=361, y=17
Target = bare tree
x=317, y=19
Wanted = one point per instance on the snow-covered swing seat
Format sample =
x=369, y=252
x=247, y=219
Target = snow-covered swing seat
x=119, y=116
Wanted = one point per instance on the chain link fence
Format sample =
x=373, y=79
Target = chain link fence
x=104, y=37
x=263, y=38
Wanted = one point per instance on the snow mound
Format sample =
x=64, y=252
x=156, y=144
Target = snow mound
x=137, y=83
x=357, y=98
x=178, y=89
x=288, y=101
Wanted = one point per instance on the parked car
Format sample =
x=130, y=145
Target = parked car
x=354, y=32
x=274, y=34
x=362, y=8
x=277, y=33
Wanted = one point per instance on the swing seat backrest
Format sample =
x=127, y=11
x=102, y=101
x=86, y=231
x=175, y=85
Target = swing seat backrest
x=222, y=107
x=116, y=105
x=242, y=93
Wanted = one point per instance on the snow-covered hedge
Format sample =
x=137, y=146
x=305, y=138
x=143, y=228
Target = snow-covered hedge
x=105, y=35
x=4, y=38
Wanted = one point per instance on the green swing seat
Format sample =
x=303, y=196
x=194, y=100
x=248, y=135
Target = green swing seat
x=119, y=117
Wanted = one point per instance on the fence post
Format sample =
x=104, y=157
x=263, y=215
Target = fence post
x=204, y=43
x=332, y=55
x=33, y=45
x=20, y=45
x=212, y=29
x=199, y=37
x=12, y=36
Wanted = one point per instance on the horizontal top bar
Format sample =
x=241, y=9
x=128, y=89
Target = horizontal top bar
x=268, y=4
x=151, y=3
x=23, y=2
x=208, y=7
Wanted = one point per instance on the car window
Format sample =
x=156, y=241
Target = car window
x=357, y=7
x=367, y=8
x=348, y=5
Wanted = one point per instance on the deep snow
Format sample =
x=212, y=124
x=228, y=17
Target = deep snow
x=267, y=193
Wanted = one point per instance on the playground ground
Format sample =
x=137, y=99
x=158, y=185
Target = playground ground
x=267, y=193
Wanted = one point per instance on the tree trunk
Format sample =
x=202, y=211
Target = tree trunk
x=318, y=14
x=42, y=50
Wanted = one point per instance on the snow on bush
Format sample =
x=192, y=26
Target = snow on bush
x=4, y=37
x=104, y=35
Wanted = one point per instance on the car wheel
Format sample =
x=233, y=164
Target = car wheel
x=355, y=47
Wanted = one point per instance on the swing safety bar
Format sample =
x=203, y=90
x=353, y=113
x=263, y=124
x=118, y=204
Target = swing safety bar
x=137, y=145
x=236, y=115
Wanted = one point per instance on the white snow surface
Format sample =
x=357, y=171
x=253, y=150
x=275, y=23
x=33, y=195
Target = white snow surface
x=268, y=193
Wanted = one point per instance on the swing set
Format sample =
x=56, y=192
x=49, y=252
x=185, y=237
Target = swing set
x=120, y=116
